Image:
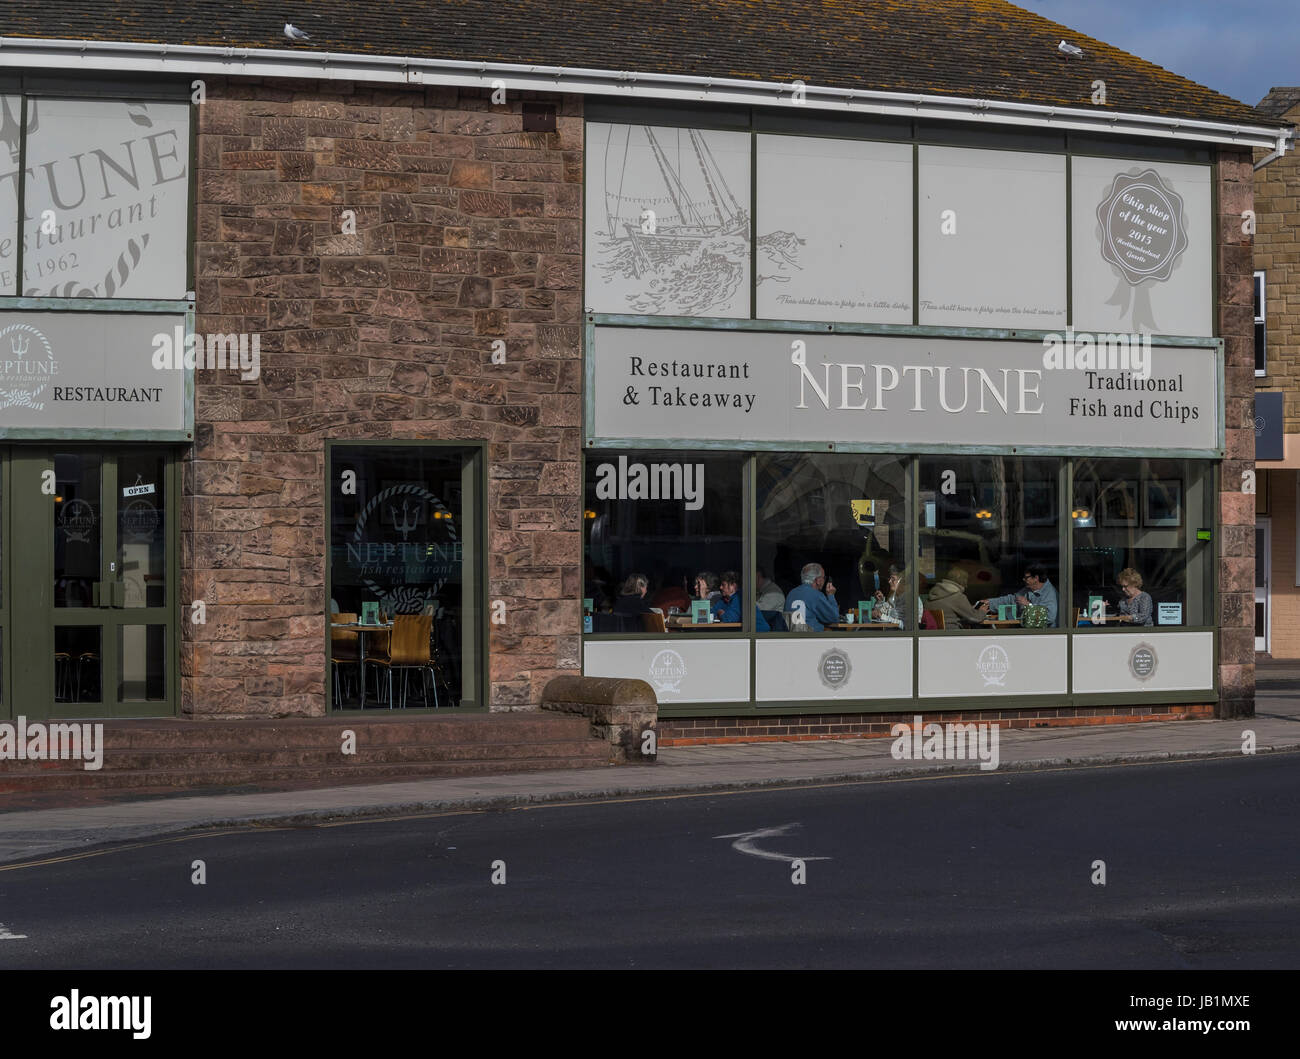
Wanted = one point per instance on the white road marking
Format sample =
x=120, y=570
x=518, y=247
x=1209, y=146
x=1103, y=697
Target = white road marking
x=6, y=936
x=745, y=843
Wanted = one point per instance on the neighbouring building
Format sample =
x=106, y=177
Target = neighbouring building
x=1277, y=379
x=480, y=320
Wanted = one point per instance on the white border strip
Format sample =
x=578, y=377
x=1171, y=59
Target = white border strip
x=193, y=60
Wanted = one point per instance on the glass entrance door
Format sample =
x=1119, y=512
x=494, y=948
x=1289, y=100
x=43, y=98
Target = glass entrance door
x=92, y=575
x=1262, y=543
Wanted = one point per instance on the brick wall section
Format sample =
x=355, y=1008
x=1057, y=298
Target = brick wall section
x=467, y=229
x=1234, y=174
x=1277, y=252
x=686, y=731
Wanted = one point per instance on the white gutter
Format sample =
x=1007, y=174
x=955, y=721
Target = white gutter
x=121, y=57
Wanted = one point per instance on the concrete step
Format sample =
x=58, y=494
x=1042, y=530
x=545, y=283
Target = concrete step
x=142, y=760
x=326, y=732
x=173, y=754
x=177, y=779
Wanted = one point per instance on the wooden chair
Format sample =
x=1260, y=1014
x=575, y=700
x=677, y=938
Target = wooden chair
x=408, y=648
x=343, y=649
x=937, y=615
x=654, y=622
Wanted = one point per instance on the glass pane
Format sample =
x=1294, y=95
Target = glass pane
x=11, y=117
x=78, y=670
x=662, y=531
x=668, y=227
x=141, y=529
x=1261, y=559
x=142, y=663
x=77, y=528
x=398, y=548
x=832, y=544
x=990, y=541
x=114, y=176
x=1134, y=549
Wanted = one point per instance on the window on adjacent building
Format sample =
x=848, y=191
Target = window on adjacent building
x=1261, y=350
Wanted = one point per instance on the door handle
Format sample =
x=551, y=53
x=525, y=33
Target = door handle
x=95, y=593
x=118, y=594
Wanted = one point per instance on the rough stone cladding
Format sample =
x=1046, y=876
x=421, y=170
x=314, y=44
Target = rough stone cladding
x=468, y=230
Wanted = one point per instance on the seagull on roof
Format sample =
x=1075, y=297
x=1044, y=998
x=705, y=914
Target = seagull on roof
x=1065, y=49
x=294, y=33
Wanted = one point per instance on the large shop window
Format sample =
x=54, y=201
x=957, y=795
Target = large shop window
x=663, y=538
x=832, y=548
x=1142, y=548
x=989, y=541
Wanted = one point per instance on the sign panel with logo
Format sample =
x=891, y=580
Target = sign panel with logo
x=692, y=668
x=1141, y=246
x=889, y=391
x=985, y=666
x=106, y=200
x=87, y=373
x=864, y=667
x=1136, y=661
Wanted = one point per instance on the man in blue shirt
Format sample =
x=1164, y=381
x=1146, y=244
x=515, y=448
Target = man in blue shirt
x=727, y=607
x=1039, y=591
x=818, y=611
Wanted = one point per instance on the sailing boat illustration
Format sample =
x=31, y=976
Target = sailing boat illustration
x=677, y=232
x=664, y=243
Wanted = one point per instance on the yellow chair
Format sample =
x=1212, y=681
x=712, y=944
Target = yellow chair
x=407, y=648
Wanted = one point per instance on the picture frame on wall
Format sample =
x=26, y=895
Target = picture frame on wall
x=1119, y=504
x=1162, y=503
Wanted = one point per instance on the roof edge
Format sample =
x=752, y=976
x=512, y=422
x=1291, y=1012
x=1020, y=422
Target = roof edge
x=31, y=53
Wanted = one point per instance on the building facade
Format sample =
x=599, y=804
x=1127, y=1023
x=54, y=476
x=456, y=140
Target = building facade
x=1277, y=365
x=296, y=337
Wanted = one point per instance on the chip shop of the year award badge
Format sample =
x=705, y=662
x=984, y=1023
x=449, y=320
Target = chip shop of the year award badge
x=1143, y=233
x=834, y=669
x=1142, y=662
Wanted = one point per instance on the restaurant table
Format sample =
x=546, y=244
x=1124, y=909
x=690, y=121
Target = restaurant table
x=361, y=646
x=1002, y=623
x=863, y=625
x=684, y=625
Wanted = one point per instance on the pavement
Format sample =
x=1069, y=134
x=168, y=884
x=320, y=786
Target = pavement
x=27, y=834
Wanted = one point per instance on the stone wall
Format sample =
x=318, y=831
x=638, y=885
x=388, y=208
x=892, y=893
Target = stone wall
x=1234, y=174
x=468, y=229
x=1277, y=252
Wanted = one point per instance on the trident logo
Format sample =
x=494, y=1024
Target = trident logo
x=20, y=344
x=408, y=521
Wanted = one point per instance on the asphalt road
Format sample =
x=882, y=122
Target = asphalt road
x=1202, y=865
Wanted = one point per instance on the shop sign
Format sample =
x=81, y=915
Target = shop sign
x=898, y=391
x=90, y=372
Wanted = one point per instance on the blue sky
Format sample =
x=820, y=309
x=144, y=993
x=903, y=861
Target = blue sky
x=1241, y=50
